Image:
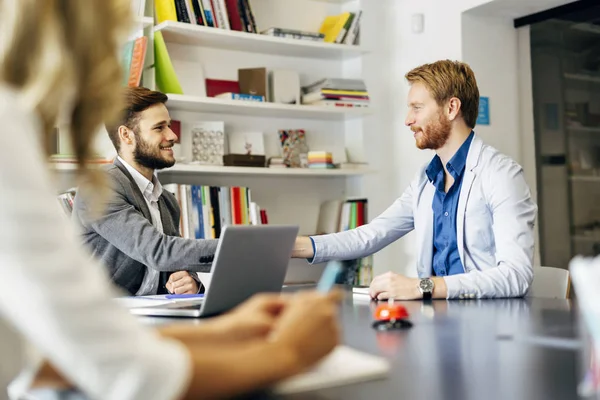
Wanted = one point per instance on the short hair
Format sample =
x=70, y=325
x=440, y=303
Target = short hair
x=446, y=79
x=136, y=100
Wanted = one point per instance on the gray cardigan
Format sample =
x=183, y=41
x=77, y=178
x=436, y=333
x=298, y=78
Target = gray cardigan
x=125, y=240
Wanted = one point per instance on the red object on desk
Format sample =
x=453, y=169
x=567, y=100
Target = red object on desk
x=390, y=312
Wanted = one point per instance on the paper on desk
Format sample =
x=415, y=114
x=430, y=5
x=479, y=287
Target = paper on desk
x=149, y=301
x=361, y=294
x=343, y=366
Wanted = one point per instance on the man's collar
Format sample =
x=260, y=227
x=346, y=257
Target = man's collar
x=150, y=189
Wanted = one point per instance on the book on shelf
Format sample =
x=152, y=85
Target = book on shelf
x=342, y=28
x=336, y=84
x=166, y=78
x=294, y=34
x=342, y=215
x=335, y=103
x=240, y=96
x=215, y=87
x=205, y=210
x=223, y=14
x=134, y=61
x=336, y=92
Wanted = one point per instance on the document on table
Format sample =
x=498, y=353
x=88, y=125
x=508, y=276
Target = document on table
x=343, y=366
x=149, y=301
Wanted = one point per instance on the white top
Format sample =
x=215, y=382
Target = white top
x=151, y=191
x=56, y=297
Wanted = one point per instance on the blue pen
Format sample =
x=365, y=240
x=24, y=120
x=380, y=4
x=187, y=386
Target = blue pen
x=183, y=296
x=330, y=274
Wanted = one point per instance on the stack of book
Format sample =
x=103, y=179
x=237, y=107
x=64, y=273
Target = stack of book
x=338, y=92
x=320, y=160
x=277, y=162
x=234, y=15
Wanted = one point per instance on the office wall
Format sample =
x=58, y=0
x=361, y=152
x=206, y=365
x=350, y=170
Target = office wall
x=481, y=33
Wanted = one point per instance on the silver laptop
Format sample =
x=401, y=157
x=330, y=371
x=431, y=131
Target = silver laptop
x=249, y=259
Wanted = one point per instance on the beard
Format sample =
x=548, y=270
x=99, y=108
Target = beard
x=434, y=135
x=149, y=156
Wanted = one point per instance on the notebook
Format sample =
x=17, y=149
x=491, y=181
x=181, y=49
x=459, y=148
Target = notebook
x=343, y=366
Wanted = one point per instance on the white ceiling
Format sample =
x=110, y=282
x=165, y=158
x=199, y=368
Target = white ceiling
x=515, y=8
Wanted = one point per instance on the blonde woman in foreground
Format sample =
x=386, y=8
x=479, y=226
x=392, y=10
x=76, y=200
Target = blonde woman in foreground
x=60, y=57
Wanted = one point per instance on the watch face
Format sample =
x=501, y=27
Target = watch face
x=426, y=285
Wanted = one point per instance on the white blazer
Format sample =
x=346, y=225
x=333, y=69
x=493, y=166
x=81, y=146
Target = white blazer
x=495, y=222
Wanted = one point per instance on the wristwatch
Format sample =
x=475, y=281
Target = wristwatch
x=426, y=288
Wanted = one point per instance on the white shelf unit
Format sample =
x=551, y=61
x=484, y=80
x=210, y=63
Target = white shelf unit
x=257, y=171
x=290, y=196
x=196, y=35
x=262, y=109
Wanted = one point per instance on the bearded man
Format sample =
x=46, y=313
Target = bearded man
x=137, y=235
x=470, y=206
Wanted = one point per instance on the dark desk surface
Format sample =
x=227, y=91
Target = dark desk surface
x=464, y=349
x=471, y=349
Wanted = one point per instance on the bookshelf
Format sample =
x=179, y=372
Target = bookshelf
x=195, y=35
x=290, y=195
x=262, y=109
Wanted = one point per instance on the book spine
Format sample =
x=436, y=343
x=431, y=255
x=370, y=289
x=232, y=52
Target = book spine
x=215, y=13
x=235, y=20
x=208, y=13
x=224, y=21
x=137, y=61
x=247, y=97
x=353, y=31
x=342, y=33
x=165, y=10
x=198, y=12
x=181, y=10
x=244, y=15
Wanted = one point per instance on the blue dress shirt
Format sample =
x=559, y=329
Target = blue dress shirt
x=446, y=260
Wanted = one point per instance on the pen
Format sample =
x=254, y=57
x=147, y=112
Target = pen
x=330, y=274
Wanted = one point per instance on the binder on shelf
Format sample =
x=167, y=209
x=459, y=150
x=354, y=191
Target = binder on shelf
x=166, y=78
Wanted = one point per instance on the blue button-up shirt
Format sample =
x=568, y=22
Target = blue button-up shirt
x=446, y=260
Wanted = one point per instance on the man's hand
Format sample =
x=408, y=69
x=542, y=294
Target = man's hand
x=394, y=285
x=254, y=318
x=303, y=248
x=181, y=282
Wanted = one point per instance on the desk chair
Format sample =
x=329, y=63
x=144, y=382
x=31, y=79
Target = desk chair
x=550, y=282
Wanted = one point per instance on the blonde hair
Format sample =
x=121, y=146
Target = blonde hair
x=446, y=79
x=54, y=50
